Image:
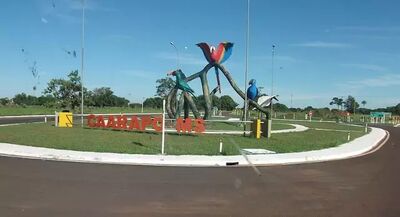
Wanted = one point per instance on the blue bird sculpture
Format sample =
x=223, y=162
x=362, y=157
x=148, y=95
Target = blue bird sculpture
x=252, y=91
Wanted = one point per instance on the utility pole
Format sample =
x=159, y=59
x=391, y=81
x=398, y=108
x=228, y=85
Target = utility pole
x=247, y=63
x=272, y=78
x=177, y=54
x=82, y=56
x=291, y=100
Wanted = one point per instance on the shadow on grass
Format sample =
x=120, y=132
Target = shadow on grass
x=154, y=149
x=123, y=130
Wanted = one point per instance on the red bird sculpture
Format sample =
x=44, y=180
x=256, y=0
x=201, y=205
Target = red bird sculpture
x=217, y=55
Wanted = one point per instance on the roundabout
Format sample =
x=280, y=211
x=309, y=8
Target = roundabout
x=295, y=144
x=356, y=147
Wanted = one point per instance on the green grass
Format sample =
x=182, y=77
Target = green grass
x=99, y=140
x=39, y=110
x=237, y=126
x=322, y=125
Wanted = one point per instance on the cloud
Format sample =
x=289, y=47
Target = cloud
x=44, y=20
x=321, y=44
x=386, y=80
x=185, y=59
x=369, y=67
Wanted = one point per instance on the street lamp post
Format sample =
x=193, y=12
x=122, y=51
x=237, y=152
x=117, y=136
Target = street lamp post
x=247, y=63
x=272, y=77
x=82, y=56
x=177, y=54
x=142, y=103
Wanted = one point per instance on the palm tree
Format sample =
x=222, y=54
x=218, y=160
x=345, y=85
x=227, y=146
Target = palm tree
x=334, y=102
x=341, y=103
x=363, y=103
x=337, y=101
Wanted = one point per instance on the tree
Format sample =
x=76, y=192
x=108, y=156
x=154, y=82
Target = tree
x=279, y=107
x=103, y=96
x=120, y=101
x=66, y=92
x=4, y=101
x=23, y=99
x=153, y=102
x=337, y=101
x=135, y=105
x=351, y=104
x=46, y=100
x=165, y=85
x=308, y=108
x=227, y=103
x=363, y=103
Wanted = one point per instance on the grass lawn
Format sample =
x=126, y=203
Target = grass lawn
x=83, y=139
x=321, y=125
x=236, y=126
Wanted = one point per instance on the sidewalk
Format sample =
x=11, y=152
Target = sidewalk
x=354, y=148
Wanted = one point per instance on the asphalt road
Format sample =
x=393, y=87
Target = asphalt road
x=363, y=186
x=15, y=120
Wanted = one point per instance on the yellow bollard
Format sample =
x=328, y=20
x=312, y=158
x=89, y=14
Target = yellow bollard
x=256, y=128
x=65, y=119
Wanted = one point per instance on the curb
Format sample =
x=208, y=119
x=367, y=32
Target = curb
x=365, y=144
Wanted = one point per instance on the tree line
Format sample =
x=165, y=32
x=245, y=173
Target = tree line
x=66, y=94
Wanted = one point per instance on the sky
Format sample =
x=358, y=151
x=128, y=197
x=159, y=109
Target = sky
x=323, y=48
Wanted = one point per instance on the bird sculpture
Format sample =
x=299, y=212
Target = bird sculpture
x=265, y=101
x=180, y=82
x=252, y=91
x=216, y=55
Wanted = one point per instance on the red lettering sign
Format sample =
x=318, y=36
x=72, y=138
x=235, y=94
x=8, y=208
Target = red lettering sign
x=134, y=123
x=121, y=122
x=184, y=125
x=157, y=124
x=100, y=121
x=200, y=127
x=110, y=122
x=90, y=121
x=145, y=121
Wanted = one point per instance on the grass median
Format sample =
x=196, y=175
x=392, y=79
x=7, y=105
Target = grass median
x=100, y=140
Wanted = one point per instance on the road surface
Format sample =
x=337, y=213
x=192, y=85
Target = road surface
x=23, y=119
x=363, y=186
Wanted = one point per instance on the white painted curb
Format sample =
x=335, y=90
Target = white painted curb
x=354, y=148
